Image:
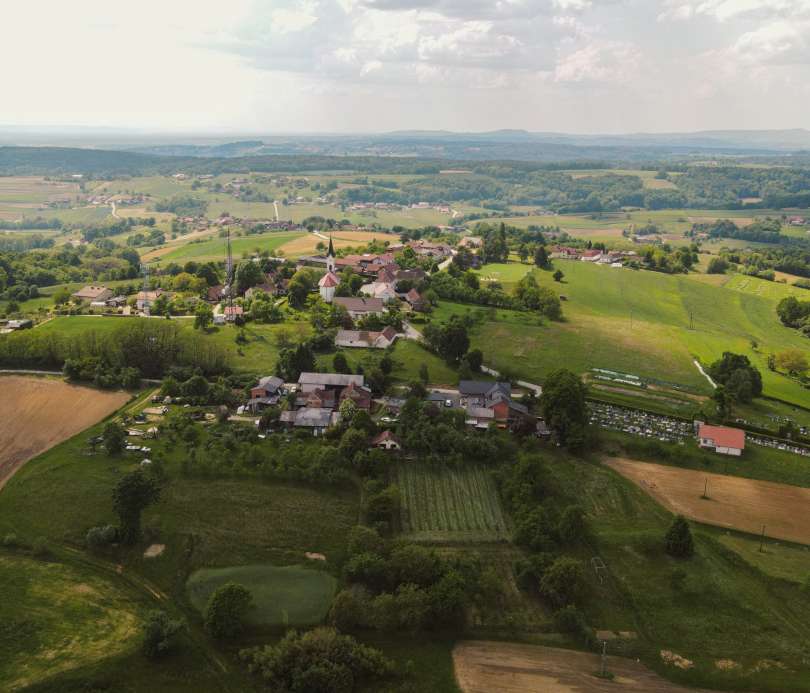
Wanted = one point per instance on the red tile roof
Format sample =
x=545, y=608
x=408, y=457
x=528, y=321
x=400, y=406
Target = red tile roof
x=723, y=436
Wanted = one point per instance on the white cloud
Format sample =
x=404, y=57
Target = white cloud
x=599, y=62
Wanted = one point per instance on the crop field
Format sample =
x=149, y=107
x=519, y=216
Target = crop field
x=54, y=618
x=745, y=505
x=38, y=413
x=282, y=596
x=482, y=667
x=450, y=505
x=647, y=323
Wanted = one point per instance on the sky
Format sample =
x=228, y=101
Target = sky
x=363, y=66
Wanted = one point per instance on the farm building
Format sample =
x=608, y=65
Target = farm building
x=321, y=381
x=314, y=418
x=90, y=293
x=265, y=393
x=360, y=307
x=366, y=340
x=722, y=439
x=386, y=441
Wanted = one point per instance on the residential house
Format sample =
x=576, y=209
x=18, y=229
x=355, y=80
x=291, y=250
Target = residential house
x=360, y=307
x=232, y=313
x=479, y=392
x=722, y=439
x=561, y=252
x=266, y=393
x=359, y=394
x=591, y=255
x=378, y=289
x=94, y=294
x=386, y=441
x=145, y=299
x=366, y=340
x=214, y=293
x=416, y=301
x=471, y=242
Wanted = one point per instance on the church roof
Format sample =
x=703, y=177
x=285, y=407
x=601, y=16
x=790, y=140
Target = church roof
x=331, y=251
x=328, y=280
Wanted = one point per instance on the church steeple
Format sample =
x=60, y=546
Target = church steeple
x=330, y=257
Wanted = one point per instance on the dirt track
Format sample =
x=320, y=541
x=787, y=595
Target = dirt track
x=484, y=667
x=734, y=502
x=38, y=413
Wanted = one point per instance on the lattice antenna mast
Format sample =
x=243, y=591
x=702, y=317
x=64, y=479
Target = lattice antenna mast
x=229, y=267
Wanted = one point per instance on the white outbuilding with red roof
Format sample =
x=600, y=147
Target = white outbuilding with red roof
x=722, y=439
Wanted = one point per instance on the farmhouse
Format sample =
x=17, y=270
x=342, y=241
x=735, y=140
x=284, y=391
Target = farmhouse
x=722, y=439
x=97, y=294
x=358, y=307
x=386, y=441
x=366, y=340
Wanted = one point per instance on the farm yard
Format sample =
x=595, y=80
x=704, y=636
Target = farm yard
x=482, y=667
x=38, y=413
x=745, y=505
x=450, y=505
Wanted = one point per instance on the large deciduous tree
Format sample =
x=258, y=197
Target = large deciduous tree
x=564, y=407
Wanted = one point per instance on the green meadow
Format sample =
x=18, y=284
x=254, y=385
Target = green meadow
x=647, y=323
x=282, y=596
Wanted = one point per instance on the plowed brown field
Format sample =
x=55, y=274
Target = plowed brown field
x=484, y=667
x=37, y=413
x=733, y=502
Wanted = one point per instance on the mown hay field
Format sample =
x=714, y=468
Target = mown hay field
x=746, y=505
x=38, y=413
x=482, y=667
x=450, y=505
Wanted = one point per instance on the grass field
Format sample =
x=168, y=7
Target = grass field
x=282, y=596
x=721, y=608
x=54, y=618
x=639, y=322
x=450, y=505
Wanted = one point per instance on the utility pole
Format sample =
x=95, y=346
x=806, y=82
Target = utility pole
x=604, y=647
x=762, y=540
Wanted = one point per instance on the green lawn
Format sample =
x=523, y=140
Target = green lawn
x=282, y=596
x=639, y=322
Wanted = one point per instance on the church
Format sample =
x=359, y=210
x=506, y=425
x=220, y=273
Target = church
x=330, y=280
